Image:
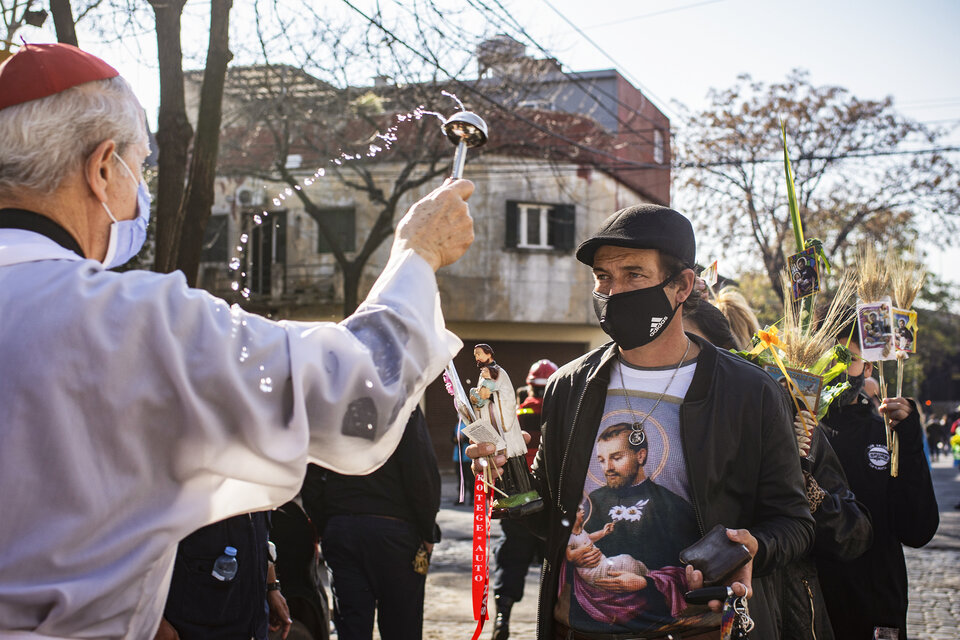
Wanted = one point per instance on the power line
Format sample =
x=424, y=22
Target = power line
x=625, y=71
x=623, y=164
x=650, y=15
x=535, y=166
x=511, y=113
x=828, y=158
x=575, y=77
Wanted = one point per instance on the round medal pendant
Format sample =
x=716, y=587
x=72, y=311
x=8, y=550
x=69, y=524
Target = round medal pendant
x=637, y=436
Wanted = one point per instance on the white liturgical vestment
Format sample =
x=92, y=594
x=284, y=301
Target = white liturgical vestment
x=135, y=410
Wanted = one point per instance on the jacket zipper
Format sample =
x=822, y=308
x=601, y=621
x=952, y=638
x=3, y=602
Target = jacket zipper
x=686, y=462
x=563, y=464
x=813, y=611
x=543, y=577
x=566, y=450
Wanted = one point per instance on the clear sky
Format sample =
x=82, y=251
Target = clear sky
x=678, y=49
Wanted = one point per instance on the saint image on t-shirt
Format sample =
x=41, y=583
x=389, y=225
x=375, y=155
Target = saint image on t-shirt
x=605, y=571
x=623, y=571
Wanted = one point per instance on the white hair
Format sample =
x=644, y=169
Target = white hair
x=42, y=141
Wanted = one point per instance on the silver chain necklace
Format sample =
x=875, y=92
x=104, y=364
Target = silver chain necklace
x=637, y=435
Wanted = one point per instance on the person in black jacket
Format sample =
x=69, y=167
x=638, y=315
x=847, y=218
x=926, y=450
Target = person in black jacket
x=843, y=530
x=843, y=533
x=868, y=596
x=203, y=606
x=717, y=432
x=377, y=533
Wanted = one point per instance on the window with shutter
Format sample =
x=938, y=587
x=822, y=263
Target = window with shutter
x=342, y=222
x=512, y=216
x=268, y=248
x=538, y=225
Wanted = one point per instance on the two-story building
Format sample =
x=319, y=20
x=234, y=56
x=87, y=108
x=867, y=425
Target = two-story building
x=575, y=150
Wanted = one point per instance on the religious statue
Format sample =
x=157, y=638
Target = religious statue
x=495, y=405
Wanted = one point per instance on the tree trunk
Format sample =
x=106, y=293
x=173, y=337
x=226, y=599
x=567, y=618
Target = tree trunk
x=351, y=285
x=173, y=132
x=63, y=22
x=203, y=165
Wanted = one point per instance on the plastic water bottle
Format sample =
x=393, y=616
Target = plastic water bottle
x=225, y=568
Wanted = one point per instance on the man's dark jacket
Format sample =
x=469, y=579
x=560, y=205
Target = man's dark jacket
x=843, y=533
x=872, y=589
x=741, y=455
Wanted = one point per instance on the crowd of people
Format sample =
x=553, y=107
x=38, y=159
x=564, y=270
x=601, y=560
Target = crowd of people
x=655, y=438
x=143, y=459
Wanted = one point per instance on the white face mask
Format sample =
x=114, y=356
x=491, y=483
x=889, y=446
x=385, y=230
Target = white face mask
x=127, y=236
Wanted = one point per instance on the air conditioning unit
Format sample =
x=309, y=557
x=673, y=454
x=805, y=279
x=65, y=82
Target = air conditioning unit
x=247, y=197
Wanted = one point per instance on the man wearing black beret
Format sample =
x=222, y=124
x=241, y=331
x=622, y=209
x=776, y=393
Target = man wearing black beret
x=715, y=431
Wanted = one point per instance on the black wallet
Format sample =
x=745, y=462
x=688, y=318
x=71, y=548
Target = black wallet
x=715, y=555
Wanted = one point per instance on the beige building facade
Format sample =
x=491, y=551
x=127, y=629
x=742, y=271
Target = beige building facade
x=518, y=288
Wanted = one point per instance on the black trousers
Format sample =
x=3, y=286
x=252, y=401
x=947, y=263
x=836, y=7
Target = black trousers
x=466, y=472
x=512, y=555
x=371, y=558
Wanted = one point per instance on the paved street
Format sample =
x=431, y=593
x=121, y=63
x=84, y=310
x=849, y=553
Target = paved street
x=934, y=571
x=934, y=574
x=448, y=612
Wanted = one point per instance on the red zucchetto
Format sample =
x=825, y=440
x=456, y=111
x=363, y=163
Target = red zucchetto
x=41, y=70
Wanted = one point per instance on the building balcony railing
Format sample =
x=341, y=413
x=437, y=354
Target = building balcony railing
x=273, y=284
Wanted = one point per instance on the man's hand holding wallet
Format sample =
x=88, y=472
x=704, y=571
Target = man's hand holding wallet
x=723, y=557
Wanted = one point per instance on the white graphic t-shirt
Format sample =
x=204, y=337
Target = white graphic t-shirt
x=622, y=571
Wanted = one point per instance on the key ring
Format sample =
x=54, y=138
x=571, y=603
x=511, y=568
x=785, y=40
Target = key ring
x=743, y=614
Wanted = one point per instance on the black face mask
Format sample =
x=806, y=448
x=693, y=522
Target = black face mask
x=634, y=318
x=856, y=386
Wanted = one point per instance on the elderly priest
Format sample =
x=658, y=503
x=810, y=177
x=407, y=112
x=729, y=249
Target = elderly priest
x=133, y=409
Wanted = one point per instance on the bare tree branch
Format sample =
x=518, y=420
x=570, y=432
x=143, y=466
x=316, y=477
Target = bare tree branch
x=850, y=187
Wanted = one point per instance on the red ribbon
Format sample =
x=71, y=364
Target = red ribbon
x=480, y=578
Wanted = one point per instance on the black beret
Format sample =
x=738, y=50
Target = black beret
x=644, y=226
